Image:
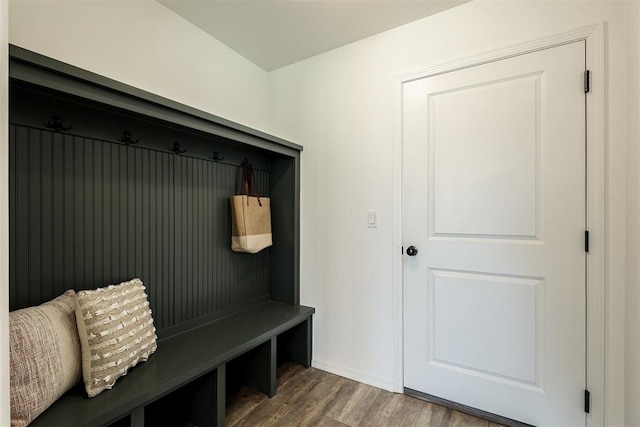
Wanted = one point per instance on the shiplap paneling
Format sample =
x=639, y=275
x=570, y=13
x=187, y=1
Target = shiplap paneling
x=87, y=213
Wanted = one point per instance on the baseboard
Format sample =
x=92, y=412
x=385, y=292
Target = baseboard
x=353, y=375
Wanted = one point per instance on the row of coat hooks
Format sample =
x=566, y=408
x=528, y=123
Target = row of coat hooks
x=56, y=124
x=177, y=148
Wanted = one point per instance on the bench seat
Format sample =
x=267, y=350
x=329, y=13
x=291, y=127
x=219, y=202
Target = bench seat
x=198, y=354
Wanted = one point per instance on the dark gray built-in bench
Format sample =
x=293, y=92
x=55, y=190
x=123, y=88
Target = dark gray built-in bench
x=108, y=183
x=185, y=379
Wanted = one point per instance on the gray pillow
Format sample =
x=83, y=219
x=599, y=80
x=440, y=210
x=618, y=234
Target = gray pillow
x=44, y=354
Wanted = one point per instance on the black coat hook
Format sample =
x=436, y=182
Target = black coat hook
x=216, y=157
x=176, y=149
x=56, y=124
x=126, y=138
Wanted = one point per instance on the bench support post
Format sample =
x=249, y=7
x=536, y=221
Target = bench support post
x=260, y=372
x=137, y=417
x=220, y=395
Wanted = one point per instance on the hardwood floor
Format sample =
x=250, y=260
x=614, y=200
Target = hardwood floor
x=311, y=397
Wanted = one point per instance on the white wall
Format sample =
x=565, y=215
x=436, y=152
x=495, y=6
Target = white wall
x=4, y=215
x=144, y=44
x=632, y=343
x=340, y=106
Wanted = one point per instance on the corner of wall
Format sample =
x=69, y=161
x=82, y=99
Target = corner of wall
x=271, y=102
x=4, y=214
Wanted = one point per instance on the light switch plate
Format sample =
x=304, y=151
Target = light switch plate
x=372, y=219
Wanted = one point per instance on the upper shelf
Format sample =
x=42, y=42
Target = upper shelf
x=43, y=71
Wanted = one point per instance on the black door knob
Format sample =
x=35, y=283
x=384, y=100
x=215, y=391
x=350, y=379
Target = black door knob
x=412, y=251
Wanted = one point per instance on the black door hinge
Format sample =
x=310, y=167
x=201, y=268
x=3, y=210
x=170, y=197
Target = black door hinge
x=587, y=401
x=587, y=81
x=586, y=240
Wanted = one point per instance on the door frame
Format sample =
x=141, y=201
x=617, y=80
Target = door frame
x=594, y=37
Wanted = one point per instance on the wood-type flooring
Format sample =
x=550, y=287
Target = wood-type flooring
x=311, y=397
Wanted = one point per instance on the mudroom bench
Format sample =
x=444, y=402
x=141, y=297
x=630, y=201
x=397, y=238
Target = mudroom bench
x=108, y=183
x=185, y=380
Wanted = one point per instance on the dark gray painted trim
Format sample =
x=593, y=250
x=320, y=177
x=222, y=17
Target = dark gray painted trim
x=220, y=397
x=48, y=72
x=296, y=229
x=465, y=409
x=284, y=283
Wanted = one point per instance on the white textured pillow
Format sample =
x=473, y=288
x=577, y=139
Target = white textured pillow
x=116, y=332
x=44, y=356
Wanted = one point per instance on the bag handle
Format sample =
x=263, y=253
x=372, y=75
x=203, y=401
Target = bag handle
x=247, y=181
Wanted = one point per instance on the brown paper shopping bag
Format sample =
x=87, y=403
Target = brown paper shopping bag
x=250, y=217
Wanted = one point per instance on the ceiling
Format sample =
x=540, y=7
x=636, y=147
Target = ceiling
x=276, y=33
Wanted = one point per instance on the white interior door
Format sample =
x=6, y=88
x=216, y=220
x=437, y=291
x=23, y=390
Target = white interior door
x=494, y=201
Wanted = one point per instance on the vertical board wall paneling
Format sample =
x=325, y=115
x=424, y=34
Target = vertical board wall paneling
x=57, y=223
x=19, y=221
x=86, y=213
x=12, y=212
x=34, y=166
